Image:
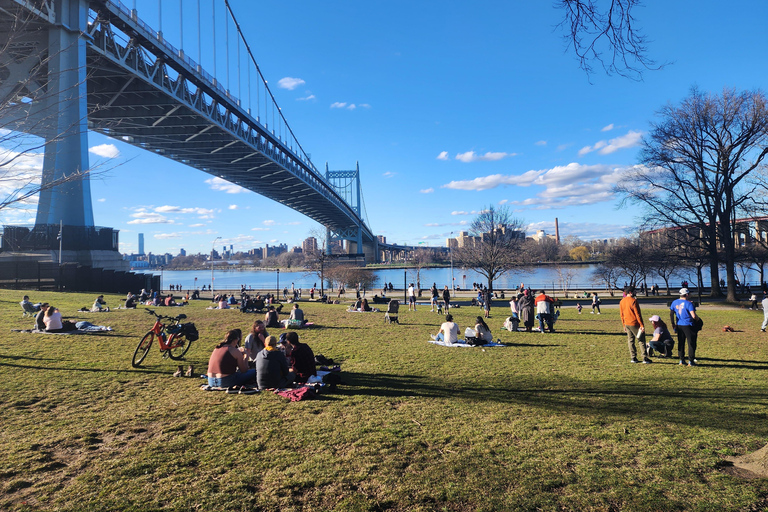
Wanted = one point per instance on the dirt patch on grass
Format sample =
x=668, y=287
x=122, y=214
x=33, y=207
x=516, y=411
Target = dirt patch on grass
x=749, y=466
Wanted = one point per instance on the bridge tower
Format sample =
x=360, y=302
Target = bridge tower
x=347, y=185
x=50, y=68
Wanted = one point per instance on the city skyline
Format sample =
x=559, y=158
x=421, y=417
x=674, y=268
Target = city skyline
x=441, y=128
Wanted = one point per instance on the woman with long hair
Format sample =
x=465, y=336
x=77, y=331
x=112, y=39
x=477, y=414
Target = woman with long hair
x=662, y=341
x=482, y=331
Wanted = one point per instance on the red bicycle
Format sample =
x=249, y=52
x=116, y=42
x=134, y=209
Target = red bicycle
x=174, y=337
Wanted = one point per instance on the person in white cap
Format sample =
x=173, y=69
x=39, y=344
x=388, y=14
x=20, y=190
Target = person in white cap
x=682, y=314
x=662, y=341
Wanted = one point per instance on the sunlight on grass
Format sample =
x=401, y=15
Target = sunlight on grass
x=550, y=422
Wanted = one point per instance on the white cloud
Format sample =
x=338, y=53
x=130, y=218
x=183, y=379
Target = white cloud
x=259, y=229
x=166, y=236
x=225, y=186
x=205, y=213
x=294, y=223
x=443, y=155
x=351, y=106
x=290, y=83
x=471, y=156
x=233, y=207
x=142, y=216
x=364, y=105
x=306, y=98
x=196, y=225
x=631, y=139
x=101, y=200
x=269, y=222
x=541, y=143
x=572, y=184
x=427, y=190
x=607, y=128
x=105, y=150
x=338, y=104
x=348, y=106
x=389, y=174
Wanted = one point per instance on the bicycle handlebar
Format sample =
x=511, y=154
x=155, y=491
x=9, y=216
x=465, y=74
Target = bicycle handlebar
x=182, y=316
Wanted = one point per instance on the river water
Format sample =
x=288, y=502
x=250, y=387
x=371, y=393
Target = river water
x=544, y=276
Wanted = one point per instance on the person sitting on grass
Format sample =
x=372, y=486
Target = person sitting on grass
x=27, y=305
x=449, y=331
x=662, y=341
x=53, y=320
x=254, y=342
x=223, y=304
x=169, y=300
x=302, y=358
x=297, y=314
x=272, y=319
x=272, y=367
x=482, y=331
x=365, y=307
x=130, y=301
x=227, y=365
x=40, y=318
x=99, y=305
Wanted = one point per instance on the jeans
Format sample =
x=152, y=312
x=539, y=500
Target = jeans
x=236, y=379
x=662, y=347
x=545, y=318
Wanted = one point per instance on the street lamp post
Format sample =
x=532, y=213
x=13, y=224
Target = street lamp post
x=277, y=290
x=161, y=279
x=213, y=244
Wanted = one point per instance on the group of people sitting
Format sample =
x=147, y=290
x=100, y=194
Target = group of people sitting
x=262, y=358
x=449, y=332
x=361, y=305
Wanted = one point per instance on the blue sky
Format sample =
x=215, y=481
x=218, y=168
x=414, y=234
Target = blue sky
x=456, y=107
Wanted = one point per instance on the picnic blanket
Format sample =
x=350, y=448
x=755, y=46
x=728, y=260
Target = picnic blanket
x=234, y=390
x=463, y=343
x=37, y=331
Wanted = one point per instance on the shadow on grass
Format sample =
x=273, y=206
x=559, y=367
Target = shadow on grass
x=701, y=408
x=76, y=369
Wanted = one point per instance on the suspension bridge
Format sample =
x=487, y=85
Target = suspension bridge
x=72, y=65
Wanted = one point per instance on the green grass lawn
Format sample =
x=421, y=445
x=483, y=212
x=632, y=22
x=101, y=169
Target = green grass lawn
x=553, y=422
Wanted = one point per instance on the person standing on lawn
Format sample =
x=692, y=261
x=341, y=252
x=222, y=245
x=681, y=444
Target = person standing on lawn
x=632, y=319
x=682, y=314
x=765, y=312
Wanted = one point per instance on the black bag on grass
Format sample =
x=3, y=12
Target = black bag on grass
x=190, y=331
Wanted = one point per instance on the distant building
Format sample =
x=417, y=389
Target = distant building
x=296, y=250
x=382, y=239
x=309, y=245
x=141, y=243
x=182, y=252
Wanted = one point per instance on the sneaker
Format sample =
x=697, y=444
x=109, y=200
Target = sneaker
x=647, y=361
x=592, y=312
x=682, y=363
x=762, y=330
x=179, y=372
x=692, y=363
x=598, y=312
x=634, y=360
x=190, y=372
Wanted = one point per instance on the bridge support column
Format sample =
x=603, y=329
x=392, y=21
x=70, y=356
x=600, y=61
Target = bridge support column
x=65, y=109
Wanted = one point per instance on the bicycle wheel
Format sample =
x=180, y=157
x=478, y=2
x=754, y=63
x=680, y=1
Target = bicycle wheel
x=142, y=349
x=178, y=346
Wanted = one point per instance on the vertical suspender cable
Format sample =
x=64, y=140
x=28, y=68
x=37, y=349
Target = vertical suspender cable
x=226, y=47
x=199, y=46
x=160, y=18
x=213, y=24
x=238, y=71
x=181, y=25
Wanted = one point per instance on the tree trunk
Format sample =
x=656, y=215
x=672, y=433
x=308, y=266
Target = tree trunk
x=714, y=277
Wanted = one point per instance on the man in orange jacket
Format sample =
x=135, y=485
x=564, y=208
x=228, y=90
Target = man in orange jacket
x=632, y=319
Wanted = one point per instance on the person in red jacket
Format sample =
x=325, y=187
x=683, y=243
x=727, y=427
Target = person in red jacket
x=632, y=319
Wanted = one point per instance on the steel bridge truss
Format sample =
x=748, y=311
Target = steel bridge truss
x=146, y=93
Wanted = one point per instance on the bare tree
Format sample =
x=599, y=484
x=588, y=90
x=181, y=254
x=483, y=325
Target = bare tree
x=697, y=163
x=608, y=275
x=419, y=259
x=605, y=31
x=499, y=239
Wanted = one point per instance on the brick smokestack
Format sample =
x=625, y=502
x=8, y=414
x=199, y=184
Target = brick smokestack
x=557, y=232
